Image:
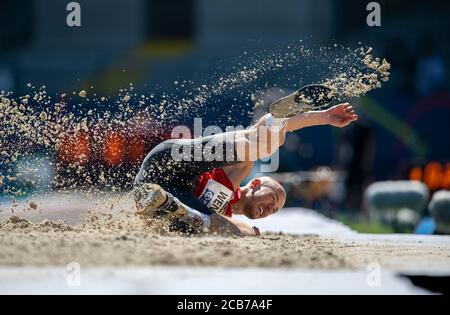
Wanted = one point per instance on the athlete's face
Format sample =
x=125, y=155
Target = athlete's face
x=263, y=200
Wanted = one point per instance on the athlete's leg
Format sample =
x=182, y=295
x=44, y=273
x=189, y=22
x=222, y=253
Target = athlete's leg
x=184, y=213
x=151, y=198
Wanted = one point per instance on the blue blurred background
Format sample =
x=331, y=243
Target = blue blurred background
x=404, y=128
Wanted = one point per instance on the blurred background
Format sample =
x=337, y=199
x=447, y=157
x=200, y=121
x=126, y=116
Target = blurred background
x=404, y=127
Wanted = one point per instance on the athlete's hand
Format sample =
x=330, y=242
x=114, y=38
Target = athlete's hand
x=340, y=115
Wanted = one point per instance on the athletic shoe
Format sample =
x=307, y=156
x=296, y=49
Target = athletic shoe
x=151, y=197
x=308, y=98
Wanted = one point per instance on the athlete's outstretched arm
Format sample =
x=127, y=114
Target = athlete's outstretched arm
x=339, y=116
x=262, y=140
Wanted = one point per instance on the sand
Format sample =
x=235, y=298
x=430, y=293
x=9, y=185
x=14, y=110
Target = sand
x=119, y=241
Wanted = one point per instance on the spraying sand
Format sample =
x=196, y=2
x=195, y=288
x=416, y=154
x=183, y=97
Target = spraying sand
x=37, y=126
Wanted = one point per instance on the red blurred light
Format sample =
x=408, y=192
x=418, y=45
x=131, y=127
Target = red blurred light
x=415, y=173
x=446, y=179
x=75, y=149
x=113, y=149
x=135, y=150
x=433, y=175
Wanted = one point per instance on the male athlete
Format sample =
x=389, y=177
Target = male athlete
x=204, y=192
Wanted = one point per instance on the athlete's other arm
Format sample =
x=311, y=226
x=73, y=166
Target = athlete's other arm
x=227, y=226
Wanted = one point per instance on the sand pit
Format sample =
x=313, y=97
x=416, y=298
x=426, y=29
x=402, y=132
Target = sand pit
x=118, y=254
x=106, y=240
x=55, y=243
